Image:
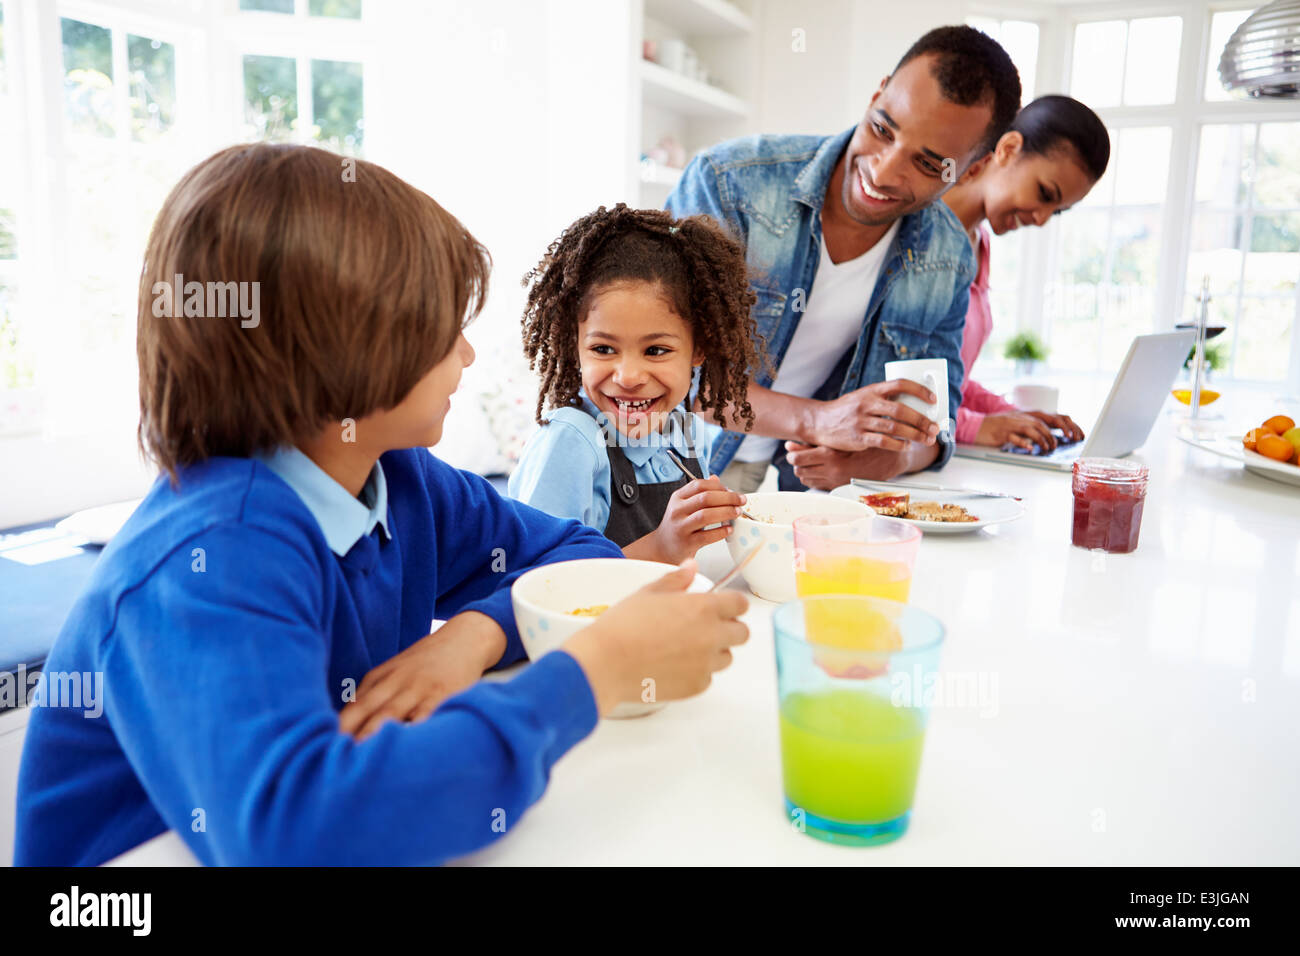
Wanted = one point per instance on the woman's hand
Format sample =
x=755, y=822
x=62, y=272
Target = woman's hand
x=1025, y=429
x=411, y=685
x=661, y=641
x=692, y=508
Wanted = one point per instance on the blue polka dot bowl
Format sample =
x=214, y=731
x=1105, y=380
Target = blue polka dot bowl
x=555, y=601
x=771, y=574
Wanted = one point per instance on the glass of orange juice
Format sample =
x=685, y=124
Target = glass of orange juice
x=850, y=554
x=867, y=555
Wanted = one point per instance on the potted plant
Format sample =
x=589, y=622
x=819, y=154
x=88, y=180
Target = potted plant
x=1216, y=359
x=1025, y=349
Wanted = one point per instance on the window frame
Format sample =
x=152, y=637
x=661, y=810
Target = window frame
x=44, y=461
x=1186, y=117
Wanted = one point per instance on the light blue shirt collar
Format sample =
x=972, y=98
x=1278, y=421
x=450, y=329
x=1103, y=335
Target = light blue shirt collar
x=343, y=519
x=640, y=450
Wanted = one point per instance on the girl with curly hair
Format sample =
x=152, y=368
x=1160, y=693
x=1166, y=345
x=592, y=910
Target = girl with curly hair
x=631, y=313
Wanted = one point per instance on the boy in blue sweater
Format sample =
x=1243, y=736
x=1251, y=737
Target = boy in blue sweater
x=261, y=624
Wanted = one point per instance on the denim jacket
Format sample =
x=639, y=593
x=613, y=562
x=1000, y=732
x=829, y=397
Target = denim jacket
x=769, y=190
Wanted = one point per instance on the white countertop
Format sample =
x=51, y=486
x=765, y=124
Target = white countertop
x=1135, y=709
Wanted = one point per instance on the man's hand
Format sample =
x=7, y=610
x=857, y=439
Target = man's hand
x=692, y=508
x=827, y=468
x=866, y=419
x=411, y=685
x=1025, y=429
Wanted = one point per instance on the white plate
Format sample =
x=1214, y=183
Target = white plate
x=989, y=511
x=1230, y=446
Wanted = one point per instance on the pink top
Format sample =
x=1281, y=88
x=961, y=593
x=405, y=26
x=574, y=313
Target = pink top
x=976, y=400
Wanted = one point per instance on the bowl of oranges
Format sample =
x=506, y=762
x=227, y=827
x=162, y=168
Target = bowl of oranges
x=1277, y=439
x=1273, y=449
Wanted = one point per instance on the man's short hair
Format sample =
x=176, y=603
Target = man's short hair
x=361, y=282
x=972, y=68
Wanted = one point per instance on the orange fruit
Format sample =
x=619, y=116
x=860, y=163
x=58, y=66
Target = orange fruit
x=1275, y=447
x=1279, y=424
x=1251, y=438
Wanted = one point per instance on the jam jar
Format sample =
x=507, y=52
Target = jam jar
x=1108, y=499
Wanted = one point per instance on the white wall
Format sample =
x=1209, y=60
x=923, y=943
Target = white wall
x=850, y=45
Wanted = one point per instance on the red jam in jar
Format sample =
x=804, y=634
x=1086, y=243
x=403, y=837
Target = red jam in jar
x=1108, y=499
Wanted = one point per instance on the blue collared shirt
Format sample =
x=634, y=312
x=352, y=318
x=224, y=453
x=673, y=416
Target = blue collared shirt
x=768, y=190
x=564, y=467
x=343, y=519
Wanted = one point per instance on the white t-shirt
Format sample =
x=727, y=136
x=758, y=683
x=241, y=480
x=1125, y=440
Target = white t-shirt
x=831, y=324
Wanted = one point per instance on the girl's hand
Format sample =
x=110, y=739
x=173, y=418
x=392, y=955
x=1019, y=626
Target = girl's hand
x=410, y=686
x=692, y=508
x=660, y=640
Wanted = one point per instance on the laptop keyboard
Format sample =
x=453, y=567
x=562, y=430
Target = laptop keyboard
x=1063, y=449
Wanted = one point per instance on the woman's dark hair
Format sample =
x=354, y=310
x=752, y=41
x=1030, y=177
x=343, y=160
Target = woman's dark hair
x=700, y=269
x=1053, y=122
x=971, y=67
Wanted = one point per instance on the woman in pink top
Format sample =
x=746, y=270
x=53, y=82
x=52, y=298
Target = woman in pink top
x=1052, y=156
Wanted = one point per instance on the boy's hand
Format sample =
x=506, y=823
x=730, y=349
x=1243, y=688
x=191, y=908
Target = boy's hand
x=660, y=634
x=409, y=686
x=692, y=508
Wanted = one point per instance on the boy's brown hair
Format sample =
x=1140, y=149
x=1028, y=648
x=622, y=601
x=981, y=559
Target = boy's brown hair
x=699, y=267
x=360, y=282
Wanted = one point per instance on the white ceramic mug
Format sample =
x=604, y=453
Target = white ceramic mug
x=1035, y=398
x=933, y=374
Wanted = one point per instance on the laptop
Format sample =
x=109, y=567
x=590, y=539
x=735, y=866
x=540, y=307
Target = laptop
x=1136, y=397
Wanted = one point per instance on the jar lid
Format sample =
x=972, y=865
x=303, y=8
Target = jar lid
x=1111, y=470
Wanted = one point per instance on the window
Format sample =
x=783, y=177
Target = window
x=1200, y=185
x=17, y=354
x=121, y=156
x=291, y=97
x=1126, y=62
x=1020, y=39
x=1246, y=240
x=1222, y=25
x=134, y=109
x=1104, y=291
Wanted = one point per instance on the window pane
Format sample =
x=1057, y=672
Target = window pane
x=1273, y=265
x=1217, y=239
x=269, y=6
x=1129, y=300
x=1142, y=165
x=1098, y=66
x=88, y=77
x=1071, y=307
x=1151, y=72
x=1221, y=27
x=270, y=97
x=152, y=87
x=4, y=83
x=8, y=234
x=335, y=8
x=1278, y=175
x=1020, y=40
x=1225, y=166
x=336, y=94
x=1105, y=292
x=1262, y=342
x=17, y=365
x=1005, y=256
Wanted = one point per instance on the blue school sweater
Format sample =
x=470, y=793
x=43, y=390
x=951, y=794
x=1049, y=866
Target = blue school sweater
x=227, y=634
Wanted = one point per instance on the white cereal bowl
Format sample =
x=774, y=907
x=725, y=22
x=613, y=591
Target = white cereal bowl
x=771, y=574
x=544, y=597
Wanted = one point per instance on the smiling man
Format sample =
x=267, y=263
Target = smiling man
x=854, y=264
